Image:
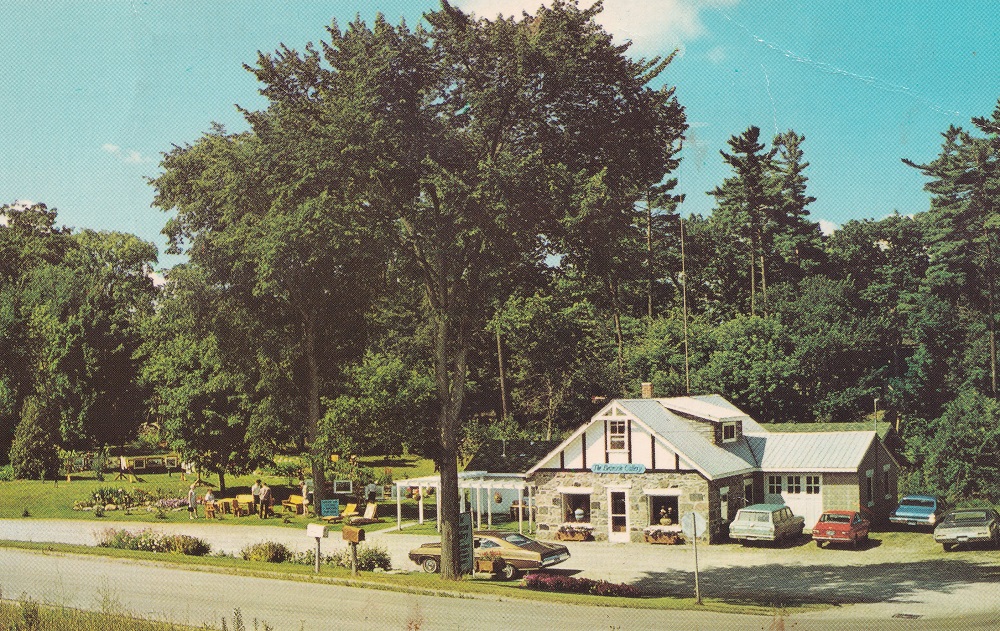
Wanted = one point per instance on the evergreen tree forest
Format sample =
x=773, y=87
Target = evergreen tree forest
x=470, y=228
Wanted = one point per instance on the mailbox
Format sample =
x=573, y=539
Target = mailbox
x=354, y=535
x=316, y=530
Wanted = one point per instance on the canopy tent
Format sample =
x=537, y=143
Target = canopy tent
x=481, y=486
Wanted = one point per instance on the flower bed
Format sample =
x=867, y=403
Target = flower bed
x=575, y=532
x=151, y=541
x=559, y=583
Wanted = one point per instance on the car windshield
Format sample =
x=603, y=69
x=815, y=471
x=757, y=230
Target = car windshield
x=754, y=516
x=839, y=519
x=912, y=501
x=967, y=515
x=516, y=539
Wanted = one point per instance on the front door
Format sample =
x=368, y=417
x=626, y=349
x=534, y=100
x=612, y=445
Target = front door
x=618, y=518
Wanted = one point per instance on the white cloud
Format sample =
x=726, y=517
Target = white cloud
x=654, y=26
x=827, y=227
x=716, y=55
x=128, y=156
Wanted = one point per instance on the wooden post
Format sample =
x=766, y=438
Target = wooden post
x=354, y=558
x=317, y=555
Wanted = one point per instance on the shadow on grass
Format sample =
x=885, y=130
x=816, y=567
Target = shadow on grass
x=790, y=585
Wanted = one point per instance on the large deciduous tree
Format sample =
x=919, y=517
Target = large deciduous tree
x=481, y=143
x=292, y=252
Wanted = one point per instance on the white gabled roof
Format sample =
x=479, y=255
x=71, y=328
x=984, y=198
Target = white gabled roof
x=712, y=407
x=821, y=452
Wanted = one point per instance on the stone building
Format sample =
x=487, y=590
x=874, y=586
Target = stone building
x=639, y=465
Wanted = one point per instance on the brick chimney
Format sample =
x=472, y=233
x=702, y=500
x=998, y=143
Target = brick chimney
x=647, y=390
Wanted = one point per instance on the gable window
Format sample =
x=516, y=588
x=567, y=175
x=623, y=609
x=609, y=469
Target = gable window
x=728, y=432
x=616, y=435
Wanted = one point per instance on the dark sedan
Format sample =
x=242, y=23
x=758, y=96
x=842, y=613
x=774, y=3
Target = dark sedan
x=968, y=525
x=520, y=553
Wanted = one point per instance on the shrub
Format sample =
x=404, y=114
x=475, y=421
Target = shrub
x=559, y=583
x=369, y=557
x=6, y=473
x=33, y=452
x=267, y=551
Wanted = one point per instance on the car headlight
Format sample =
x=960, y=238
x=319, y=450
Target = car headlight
x=932, y=519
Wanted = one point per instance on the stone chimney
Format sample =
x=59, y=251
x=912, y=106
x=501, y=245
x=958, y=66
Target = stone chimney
x=647, y=390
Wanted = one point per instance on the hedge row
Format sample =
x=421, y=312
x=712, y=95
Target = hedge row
x=559, y=583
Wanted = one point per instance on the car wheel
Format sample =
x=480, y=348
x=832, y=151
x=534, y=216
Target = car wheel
x=948, y=547
x=819, y=544
x=430, y=565
x=509, y=572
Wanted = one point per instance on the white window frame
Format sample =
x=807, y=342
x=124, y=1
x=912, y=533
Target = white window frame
x=793, y=484
x=774, y=485
x=724, y=503
x=885, y=480
x=728, y=426
x=617, y=432
x=814, y=484
x=870, y=487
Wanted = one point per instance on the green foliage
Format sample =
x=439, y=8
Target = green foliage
x=6, y=473
x=267, y=552
x=34, y=453
x=963, y=456
x=147, y=540
x=370, y=557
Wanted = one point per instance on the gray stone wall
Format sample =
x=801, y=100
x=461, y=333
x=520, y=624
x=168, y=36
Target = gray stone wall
x=695, y=493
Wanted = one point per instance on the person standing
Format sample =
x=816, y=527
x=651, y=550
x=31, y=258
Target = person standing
x=264, y=500
x=304, y=489
x=255, y=491
x=192, y=503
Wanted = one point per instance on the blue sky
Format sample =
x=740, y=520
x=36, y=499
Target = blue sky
x=94, y=91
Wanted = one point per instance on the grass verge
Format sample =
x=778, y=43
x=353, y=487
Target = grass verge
x=414, y=582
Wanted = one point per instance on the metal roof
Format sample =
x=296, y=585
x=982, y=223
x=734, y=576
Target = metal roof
x=712, y=407
x=812, y=451
x=712, y=460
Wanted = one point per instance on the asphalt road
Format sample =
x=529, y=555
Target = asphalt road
x=879, y=587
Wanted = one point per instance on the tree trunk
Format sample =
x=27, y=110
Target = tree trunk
x=620, y=337
x=312, y=420
x=222, y=481
x=649, y=257
x=991, y=318
x=503, y=383
x=450, y=385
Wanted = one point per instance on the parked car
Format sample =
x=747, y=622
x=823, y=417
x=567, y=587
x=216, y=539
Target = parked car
x=766, y=522
x=967, y=525
x=918, y=510
x=520, y=553
x=840, y=526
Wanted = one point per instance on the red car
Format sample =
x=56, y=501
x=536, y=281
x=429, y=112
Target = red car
x=841, y=526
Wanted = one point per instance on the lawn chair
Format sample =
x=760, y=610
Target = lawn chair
x=210, y=510
x=368, y=518
x=351, y=510
x=243, y=505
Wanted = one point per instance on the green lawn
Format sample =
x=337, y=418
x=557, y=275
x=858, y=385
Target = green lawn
x=55, y=499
